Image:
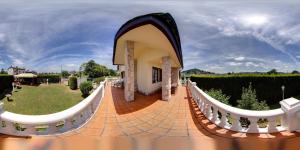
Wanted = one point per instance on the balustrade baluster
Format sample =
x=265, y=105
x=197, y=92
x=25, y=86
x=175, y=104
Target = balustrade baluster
x=68, y=124
x=236, y=124
x=30, y=129
x=214, y=114
x=253, y=127
x=52, y=128
x=272, y=124
x=208, y=111
x=223, y=121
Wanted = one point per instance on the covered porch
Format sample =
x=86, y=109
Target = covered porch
x=147, y=50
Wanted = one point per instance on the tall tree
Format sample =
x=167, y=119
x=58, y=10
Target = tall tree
x=65, y=74
x=3, y=71
x=273, y=71
x=94, y=70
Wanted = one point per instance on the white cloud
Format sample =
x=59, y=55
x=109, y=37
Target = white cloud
x=234, y=63
x=17, y=62
x=70, y=65
x=2, y=37
x=241, y=58
x=277, y=61
x=249, y=64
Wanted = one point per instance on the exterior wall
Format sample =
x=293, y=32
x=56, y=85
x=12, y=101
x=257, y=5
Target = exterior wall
x=10, y=71
x=144, y=70
x=15, y=71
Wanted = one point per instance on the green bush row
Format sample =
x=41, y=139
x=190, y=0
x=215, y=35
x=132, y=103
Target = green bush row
x=268, y=87
x=5, y=82
x=52, y=78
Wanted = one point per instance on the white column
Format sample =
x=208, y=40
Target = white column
x=291, y=117
x=166, y=78
x=129, y=71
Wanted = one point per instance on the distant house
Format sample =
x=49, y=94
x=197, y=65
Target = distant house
x=147, y=51
x=15, y=70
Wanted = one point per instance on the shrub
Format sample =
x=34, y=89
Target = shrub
x=5, y=82
x=218, y=95
x=52, y=78
x=268, y=87
x=249, y=101
x=73, y=83
x=98, y=80
x=261, y=106
x=85, y=88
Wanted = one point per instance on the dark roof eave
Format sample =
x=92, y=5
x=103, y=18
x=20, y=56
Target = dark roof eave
x=172, y=35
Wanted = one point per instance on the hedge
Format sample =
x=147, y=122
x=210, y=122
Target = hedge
x=268, y=87
x=52, y=78
x=73, y=83
x=5, y=82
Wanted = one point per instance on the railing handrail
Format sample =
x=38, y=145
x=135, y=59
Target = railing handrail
x=54, y=117
x=238, y=111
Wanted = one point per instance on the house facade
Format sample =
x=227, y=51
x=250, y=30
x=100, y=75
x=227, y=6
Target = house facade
x=15, y=70
x=147, y=50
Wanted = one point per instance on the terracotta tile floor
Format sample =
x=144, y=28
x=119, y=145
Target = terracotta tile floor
x=150, y=123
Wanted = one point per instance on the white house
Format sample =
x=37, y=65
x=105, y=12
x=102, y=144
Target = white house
x=15, y=70
x=148, y=47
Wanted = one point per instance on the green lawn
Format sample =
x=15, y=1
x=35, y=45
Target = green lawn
x=42, y=99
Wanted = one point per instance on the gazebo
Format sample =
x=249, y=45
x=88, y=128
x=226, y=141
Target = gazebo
x=26, y=78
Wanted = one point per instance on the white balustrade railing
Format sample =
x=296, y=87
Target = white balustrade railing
x=236, y=119
x=56, y=123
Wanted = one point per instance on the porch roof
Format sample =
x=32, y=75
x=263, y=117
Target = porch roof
x=162, y=21
x=26, y=75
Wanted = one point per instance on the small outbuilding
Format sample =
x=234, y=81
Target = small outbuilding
x=26, y=78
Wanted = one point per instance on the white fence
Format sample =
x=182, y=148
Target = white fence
x=241, y=120
x=69, y=119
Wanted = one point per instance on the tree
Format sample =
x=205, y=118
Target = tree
x=112, y=72
x=94, y=70
x=218, y=95
x=249, y=101
x=295, y=72
x=65, y=74
x=2, y=71
x=273, y=71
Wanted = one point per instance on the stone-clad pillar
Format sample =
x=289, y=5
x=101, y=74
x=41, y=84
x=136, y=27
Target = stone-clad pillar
x=175, y=76
x=135, y=75
x=129, y=71
x=166, y=78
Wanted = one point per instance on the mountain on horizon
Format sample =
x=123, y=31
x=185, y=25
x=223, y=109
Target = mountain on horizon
x=195, y=71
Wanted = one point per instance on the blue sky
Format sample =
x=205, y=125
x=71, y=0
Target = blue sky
x=216, y=36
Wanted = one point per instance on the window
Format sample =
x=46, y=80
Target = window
x=156, y=75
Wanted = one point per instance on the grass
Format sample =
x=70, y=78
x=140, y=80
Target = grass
x=42, y=99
